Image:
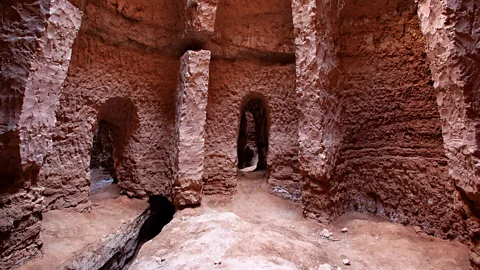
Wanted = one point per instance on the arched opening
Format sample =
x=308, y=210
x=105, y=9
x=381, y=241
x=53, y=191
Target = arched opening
x=110, y=160
x=252, y=144
x=102, y=159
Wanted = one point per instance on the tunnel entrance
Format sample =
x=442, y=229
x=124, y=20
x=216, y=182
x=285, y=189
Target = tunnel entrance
x=252, y=144
x=102, y=159
x=111, y=161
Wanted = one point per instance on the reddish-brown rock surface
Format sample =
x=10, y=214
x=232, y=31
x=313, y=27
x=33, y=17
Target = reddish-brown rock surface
x=191, y=115
x=36, y=43
x=368, y=106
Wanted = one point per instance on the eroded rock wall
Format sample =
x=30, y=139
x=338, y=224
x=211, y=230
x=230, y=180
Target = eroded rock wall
x=134, y=92
x=253, y=27
x=124, y=71
x=252, y=56
x=370, y=131
x=452, y=33
x=392, y=161
x=21, y=29
x=231, y=85
x=20, y=225
x=36, y=39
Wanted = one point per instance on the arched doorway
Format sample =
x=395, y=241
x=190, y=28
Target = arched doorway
x=252, y=144
x=102, y=158
x=110, y=160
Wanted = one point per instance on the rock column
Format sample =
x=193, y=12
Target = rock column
x=190, y=128
x=200, y=19
x=319, y=111
x=38, y=41
x=452, y=35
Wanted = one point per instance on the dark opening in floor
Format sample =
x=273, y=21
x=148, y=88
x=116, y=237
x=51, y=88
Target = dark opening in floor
x=161, y=212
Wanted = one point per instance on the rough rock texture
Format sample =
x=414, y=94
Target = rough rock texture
x=189, y=142
x=452, y=33
x=392, y=161
x=318, y=106
x=227, y=234
x=137, y=24
x=232, y=84
x=200, y=18
x=109, y=232
x=370, y=132
x=357, y=123
x=253, y=27
x=20, y=224
x=22, y=26
x=36, y=46
x=126, y=85
x=36, y=39
x=119, y=245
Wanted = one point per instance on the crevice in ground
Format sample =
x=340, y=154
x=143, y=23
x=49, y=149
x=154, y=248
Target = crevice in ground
x=160, y=213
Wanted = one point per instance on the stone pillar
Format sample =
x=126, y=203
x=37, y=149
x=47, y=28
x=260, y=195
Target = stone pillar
x=38, y=41
x=200, y=18
x=319, y=111
x=36, y=65
x=452, y=35
x=190, y=128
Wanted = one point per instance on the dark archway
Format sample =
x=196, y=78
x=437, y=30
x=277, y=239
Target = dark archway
x=252, y=144
x=102, y=159
x=110, y=161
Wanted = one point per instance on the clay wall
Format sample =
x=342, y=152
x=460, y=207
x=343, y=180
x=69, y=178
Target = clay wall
x=133, y=91
x=392, y=161
x=117, y=76
x=231, y=85
x=253, y=27
x=36, y=40
x=20, y=39
x=138, y=24
x=452, y=33
x=382, y=151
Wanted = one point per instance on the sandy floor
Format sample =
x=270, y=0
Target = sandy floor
x=256, y=230
x=66, y=232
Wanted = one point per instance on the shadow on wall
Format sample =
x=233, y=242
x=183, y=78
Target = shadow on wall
x=252, y=144
x=111, y=158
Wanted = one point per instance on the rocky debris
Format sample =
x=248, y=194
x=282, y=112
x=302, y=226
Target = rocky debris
x=326, y=234
x=344, y=230
x=327, y=266
x=346, y=261
x=417, y=229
